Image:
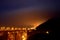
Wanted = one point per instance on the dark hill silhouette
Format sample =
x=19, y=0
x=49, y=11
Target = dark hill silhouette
x=52, y=25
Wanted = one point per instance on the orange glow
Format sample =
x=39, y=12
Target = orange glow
x=16, y=28
x=12, y=28
x=36, y=24
x=2, y=28
x=8, y=28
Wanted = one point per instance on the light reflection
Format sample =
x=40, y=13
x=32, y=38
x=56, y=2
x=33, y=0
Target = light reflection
x=24, y=36
x=1, y=33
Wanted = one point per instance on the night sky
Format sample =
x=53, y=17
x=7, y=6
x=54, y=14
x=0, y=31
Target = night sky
x=10, y=9
x=10, y=5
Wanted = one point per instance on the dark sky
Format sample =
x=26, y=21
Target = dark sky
x=16, y=6
x=10, y=5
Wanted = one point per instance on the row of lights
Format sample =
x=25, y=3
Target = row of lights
x=13, y=28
